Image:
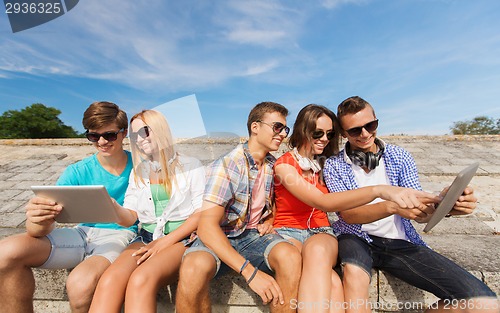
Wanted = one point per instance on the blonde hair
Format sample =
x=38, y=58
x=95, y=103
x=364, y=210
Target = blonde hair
x=157, y=124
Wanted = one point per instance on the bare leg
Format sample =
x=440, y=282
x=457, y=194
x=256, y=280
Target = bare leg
x=197, y=269
x=319, y=282
x=19, y=254
x=356, y=285
x=82, y=282
x=110, y=292
x=286, y=262
x=337, y=295
x=146, y=280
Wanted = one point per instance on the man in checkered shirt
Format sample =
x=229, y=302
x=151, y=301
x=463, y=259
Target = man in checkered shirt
x=238, y=198
x=380, y=235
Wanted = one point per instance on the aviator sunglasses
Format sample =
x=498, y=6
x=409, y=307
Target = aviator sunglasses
x=108, y=136
x=318, y=134
x=277, y=127
x=143, y=132
x=356, y=131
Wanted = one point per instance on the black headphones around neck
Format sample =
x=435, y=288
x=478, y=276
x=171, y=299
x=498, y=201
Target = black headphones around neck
x=367, y=160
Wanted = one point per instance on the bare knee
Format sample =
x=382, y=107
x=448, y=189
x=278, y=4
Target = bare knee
x=80, y=288
x=196, y=268
x=142, y=281
x=9, y=257
x=355, y=276
x=22, y=250
x=285, y=258
x=321, y=249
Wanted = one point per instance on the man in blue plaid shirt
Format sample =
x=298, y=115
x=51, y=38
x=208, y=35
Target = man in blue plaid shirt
x=238, y=198
x=380, y=235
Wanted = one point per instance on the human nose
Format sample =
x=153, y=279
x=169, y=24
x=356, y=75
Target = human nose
x=101, y=140
x=364, y=132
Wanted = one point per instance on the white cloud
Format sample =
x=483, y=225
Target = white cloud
x=332, y=4
x=261, y=68
x=150, y=46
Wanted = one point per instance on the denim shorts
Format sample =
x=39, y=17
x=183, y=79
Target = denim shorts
x=70, y=246
x=146, y=237
x=143, y=236
x=417, y=265
x=303, y=234
x=250, y=244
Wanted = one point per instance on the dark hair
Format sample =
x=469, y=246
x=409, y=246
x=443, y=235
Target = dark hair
x=352, y=105
x=305, y=125
x=103, y=113
x=258, y=111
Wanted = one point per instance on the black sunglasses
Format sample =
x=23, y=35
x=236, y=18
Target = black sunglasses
x=356, y=131
x=317, y=134
x=277, y=127
x=108, y=136
x=143, y=132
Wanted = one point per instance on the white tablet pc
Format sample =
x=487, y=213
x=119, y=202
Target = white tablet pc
x=456, y=189
x=81, y=204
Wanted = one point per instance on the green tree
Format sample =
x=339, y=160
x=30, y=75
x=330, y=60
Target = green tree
x=480, y=125
x=35, y=121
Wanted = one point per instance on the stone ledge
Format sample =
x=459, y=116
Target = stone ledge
x=231, y=294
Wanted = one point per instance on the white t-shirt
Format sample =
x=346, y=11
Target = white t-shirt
x=388, y=227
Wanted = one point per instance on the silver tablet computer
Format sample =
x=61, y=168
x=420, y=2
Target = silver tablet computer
x=81, y=204
x=456, y=189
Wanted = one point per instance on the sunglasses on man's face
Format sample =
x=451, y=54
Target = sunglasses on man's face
x=143, y=132
x=108, y=136
x=277, y=127
x=356, y=131
x=318, y=134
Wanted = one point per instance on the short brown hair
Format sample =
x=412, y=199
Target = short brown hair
x=352, y=105
x=102, y=113
x=258, y=111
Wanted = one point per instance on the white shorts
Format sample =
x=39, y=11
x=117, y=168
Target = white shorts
x=70, y=246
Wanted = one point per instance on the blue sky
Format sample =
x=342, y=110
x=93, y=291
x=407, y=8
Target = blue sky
x=423, y=64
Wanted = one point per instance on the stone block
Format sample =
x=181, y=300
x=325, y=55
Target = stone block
x=472, y=252
x=5, y=232
x=24, y=196
x=492, y=280
x=457, y=226
x=7, y=194
x=12, y=206
x=50, y=284
x=45, y=306
x=12, y=220
x=41, y=176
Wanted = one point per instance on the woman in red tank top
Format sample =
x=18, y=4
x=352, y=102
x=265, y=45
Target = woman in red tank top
x=302, y=200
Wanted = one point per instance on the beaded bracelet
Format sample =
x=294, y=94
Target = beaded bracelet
x=244, y=265
x=252, y=276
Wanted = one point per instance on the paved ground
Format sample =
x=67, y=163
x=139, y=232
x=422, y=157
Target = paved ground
x=27, y=162
x=471, y=241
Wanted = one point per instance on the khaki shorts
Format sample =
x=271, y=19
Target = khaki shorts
x=70, y=246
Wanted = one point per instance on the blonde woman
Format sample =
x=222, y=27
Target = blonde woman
x=165, y=191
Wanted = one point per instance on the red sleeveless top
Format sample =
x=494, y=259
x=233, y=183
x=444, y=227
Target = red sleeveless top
x=290, y=211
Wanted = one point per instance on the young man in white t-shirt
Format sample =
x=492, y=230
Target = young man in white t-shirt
x=380, y=235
